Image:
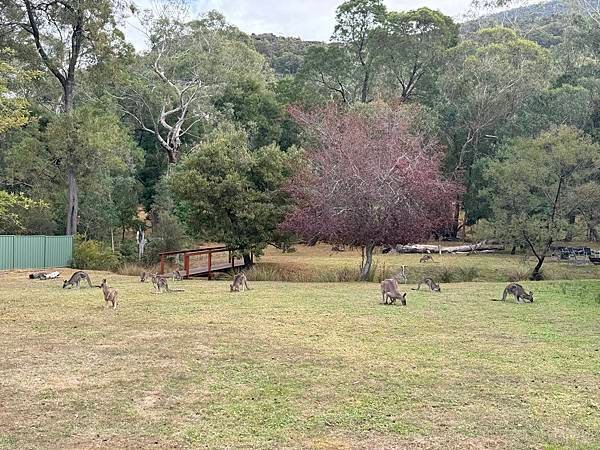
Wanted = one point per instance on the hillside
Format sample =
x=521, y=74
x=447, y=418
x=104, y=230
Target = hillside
x=543, y=23
x=285, y=54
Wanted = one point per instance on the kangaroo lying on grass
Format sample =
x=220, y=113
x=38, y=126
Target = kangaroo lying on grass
x=426, y=258
x=389, y=291
x=518, y=291
x=240, y=282
x=43, y=275
x=110, y=294
x=161, y=285
x=77, y=278
x=432, y=285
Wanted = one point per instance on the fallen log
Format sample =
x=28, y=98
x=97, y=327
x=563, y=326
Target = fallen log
x=466, y=248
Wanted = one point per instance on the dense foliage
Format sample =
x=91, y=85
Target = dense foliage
x=372, y=178
x=193, y=136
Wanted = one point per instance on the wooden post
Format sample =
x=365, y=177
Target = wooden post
x=186, y=265
x=162, y=264
x=232, y=259
x=209, y=265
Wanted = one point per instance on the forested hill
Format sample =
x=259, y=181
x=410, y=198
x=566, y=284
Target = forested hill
x=543, y=23
x=285, y=54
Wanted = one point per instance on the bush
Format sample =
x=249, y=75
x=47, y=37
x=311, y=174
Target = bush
x=303, y=274
x=135, y=269
x=94, y=255
x=129, y=251
x=167, y=236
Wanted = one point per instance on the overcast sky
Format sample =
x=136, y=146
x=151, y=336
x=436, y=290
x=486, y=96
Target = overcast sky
x=307, y=19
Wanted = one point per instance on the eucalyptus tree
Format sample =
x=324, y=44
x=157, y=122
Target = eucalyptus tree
x=413, y=45
x=347, y=67
x=484, y=84
x=534, y=185
x=40, y=153
x=66, y=35
x=169, y=91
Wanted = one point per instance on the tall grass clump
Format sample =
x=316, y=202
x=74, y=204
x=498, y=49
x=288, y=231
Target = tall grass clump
x=135, y=269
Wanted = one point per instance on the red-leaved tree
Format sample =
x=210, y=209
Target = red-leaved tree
x=371, y=178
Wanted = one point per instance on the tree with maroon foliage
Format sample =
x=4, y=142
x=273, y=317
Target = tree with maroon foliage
x=371, y=179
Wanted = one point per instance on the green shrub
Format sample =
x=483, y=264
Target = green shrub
x=169, y=235
x=129, y=251
x=446, y=275
x=94, y=255
x=467, y=274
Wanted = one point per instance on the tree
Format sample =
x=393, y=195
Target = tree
x=43, y=153
x=356, y=25
x=329, y=67
x=347, y=67
x=12, y=207
x=65, y=34
x=371, y=178
x=485, y=83
x=231, y=194
x=14, y=108
x=532, y=185
x=249, y=102
x=168, y=92
x=413, y=45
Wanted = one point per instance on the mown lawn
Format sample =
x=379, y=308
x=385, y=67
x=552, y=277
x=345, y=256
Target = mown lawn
x=299, y=366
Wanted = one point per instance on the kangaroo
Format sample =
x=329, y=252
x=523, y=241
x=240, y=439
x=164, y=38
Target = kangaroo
x=161, y=285
x=518, y=291
x=177, y=276
x=401, y=276
x=426, y=258
x=144, y=277
x=432, y=285
x=389, y=291
x=76, y=278
x=240, y=282
x=110, y=294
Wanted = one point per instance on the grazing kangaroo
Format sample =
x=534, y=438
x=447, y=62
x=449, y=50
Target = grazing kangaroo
x=518, y=291
x=110, y=294
x=144, y=277
x=432, y=285
x=426, y=258
x=76, y=278
x=240, y=282
x=177, y=276
x=161, y=285
x=402, y=276
x=389, y=291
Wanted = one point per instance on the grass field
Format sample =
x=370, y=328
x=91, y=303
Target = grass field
x=318, y=263
x=298, y=365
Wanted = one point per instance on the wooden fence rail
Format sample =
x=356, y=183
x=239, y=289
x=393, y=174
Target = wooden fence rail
x=205, y=270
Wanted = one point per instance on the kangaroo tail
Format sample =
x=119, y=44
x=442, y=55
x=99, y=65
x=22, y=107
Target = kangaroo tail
x=176, y=290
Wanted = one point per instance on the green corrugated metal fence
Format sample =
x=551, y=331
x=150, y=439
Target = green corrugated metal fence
x=35, y=252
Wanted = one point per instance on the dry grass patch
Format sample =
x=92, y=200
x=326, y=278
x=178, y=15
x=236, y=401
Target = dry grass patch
x=320, y=264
